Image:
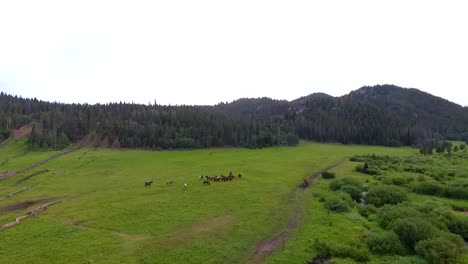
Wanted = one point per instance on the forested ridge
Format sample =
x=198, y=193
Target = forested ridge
x=382, y=115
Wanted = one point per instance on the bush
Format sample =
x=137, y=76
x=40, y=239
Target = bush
x=367, y=210
x=353, y=191
x=369, y=171
x=388, y=213
x=385, y=194
x=336, y=204
x=359, y=254
x=335, y=185
x=440, y=250
x=415, y=169
x=458, y=225
x=358, y=159
x=385, y=243
x=457, y=192
x=411, y=230
x=328, y=175
x=395, y=180
x=427, y=187
x=327, y=249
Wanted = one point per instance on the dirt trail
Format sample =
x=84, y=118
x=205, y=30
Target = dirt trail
x=23, y=205
x=269, y=246
x=318, y=173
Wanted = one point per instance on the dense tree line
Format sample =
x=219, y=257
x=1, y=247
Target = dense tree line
x=379, y=115
x=143, y=126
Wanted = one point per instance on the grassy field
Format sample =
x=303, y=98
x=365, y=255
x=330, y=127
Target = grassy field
x=108, y=216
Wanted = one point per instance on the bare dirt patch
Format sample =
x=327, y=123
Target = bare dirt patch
x=22, y=205
x=205, y=227
x=308, y=182
x=7, y=174
x=22, y=132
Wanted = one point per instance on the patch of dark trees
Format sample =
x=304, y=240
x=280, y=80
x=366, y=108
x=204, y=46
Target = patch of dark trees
x=378, y=115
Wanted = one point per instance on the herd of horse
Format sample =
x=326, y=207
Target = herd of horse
x=206, y=179
x=222, y=178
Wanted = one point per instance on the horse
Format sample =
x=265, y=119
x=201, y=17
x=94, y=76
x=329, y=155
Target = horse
x=184, y=186
x=148, y=183
x=169, y=182
x=240, y=176
x=201, y=177
x=206, y=183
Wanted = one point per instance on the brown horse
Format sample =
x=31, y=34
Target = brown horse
x=206, y=183
x=148, y=183
x=169, y=182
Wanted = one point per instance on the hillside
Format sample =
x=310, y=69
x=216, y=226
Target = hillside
x=383, y=115
x=377, y=115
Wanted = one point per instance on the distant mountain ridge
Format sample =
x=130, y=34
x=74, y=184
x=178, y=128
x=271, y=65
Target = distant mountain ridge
x=378, y=115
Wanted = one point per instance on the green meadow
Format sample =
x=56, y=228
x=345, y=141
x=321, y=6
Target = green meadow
x=107, y=215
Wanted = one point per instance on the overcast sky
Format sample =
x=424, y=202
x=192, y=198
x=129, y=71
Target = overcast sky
x=205, y=52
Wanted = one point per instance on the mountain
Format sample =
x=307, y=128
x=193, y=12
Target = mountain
x=382, y=114
x=377, y=115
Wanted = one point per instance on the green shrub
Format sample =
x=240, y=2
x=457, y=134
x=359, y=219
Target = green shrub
x=385, y=243
x=322, y=248
x=336, y=184
x=457, y=192
x=327, y=249
x=388, y=213
x=353, y=191
x=395, y=180
x=328, y=175
x=336, y=204
x=439, y=250
x=415, y=169
x=385, y=194
x=358, y=159
x=367, y=210
x=458, y=225
x=427, y=187
x=359, y=254
x=369, y=170
x=411, y=230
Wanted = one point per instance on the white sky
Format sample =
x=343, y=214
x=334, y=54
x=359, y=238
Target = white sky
x=205, y=52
